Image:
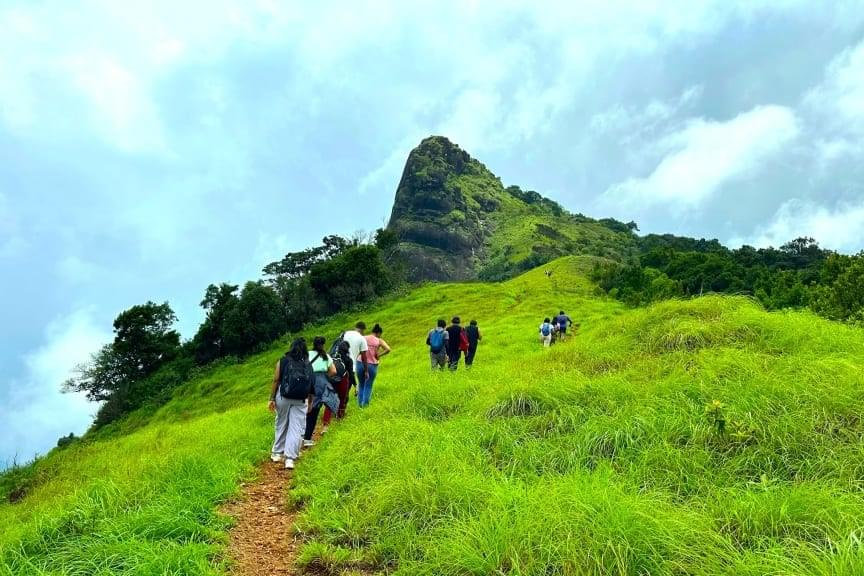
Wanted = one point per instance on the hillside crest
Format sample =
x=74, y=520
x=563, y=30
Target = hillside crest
x=455, y=220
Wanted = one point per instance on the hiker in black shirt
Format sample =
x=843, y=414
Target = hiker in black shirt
x=474, y=338
x=454, y=343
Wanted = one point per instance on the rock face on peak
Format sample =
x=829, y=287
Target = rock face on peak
x=440, y=223
x=456, y=221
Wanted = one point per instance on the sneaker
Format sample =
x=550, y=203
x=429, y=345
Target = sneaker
x=324, y=429
x=308, y=443
x=289, y=464
x=276, y=457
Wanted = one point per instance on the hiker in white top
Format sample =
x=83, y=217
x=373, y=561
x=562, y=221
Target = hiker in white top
x=546, y=330
x=358, y=348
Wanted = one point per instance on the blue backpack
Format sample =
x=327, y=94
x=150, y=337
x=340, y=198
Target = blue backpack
x=546, y=329
x=436, y=341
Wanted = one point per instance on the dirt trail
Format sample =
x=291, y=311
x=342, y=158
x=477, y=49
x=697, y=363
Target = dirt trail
x=263, y=540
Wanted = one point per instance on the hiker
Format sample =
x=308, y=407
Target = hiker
x=292, y=389
x=377, y=348
x=474, y=338
x=341, y=382
x=457, y=342
x=562, y=321
x=437, y=342
x=323, y=392
x=357, y=349
x=546, y=332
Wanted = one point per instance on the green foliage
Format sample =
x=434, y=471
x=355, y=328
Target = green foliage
x=840, y=294
x=255, y=320
x=209, y=341
x=122, y=373
x=796, y=275
x=597, y=456
x=455, y=220
x=65, y=441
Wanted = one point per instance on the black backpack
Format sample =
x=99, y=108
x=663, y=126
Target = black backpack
x=341, y=370
x=295, y=378
x=334, y=348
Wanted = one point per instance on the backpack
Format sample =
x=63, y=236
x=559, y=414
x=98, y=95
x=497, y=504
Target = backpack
x=463, y=341
x=295, y=378
x=546, y=329
x=341, y=370
x=436, y=341
x=334, y=348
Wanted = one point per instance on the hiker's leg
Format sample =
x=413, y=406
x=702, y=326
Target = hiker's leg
x=469, y=356
x=328, y=414
x=296, y=422
x=281, y=425
x=373, y=373
x=454, y=359
x=311, y=421
x=342, y=391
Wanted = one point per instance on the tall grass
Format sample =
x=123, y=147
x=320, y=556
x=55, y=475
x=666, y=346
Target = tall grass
x=604, y=455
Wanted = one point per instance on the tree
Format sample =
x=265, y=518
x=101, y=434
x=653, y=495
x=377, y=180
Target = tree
x=143, y=341
x=208, y=343
x=143, y=338
x=840, y=295
x=354, y=276
x=100, y=378
x=256, y=319
x=295, y=265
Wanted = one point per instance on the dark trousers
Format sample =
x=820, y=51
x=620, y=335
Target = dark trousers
x=454, y=356
x=469, y=355
x=311, y=421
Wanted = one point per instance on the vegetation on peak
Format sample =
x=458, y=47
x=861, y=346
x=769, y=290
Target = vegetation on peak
x=455, y=220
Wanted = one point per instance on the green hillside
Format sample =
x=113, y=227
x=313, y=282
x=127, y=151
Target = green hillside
x=688, y=437
x=455, y=220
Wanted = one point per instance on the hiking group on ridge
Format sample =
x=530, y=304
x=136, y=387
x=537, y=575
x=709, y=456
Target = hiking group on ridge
x=305, y=380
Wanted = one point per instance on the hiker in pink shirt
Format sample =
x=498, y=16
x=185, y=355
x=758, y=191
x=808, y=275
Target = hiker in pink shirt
x=377, y=349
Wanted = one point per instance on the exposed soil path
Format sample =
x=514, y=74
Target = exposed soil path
x=263, y=541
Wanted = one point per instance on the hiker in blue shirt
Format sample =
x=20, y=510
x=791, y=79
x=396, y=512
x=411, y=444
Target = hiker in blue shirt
x=437, y=340
x=562, y=321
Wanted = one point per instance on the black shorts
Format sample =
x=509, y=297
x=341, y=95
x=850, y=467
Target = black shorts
x=562, y=329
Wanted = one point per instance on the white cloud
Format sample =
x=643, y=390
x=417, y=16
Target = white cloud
x=840, y=97
x=837, y=108
x=35, y=413
x=703, y=156
x=840, y=228
x=630, y=122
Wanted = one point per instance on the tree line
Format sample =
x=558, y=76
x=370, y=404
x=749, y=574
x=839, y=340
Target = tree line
x=147, y=358
x=799, y=274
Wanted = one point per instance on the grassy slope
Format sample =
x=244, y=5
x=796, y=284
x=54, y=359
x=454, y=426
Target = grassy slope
x=516, y=228
x=593, y=457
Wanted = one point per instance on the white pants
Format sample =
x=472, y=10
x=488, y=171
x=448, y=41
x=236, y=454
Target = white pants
x=290, y=425
x=547, y=340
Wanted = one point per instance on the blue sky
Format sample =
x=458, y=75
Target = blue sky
x=149, y=149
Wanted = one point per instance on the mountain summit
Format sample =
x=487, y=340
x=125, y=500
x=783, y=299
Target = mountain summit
x=455, y=220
